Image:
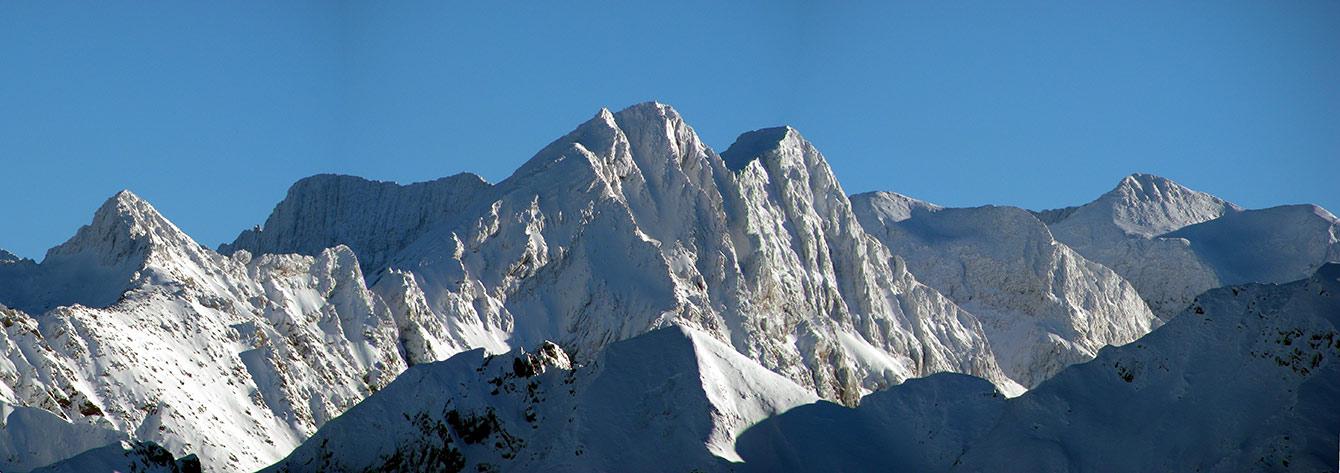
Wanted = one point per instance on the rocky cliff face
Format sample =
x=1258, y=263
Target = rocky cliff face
x=631, y=223
x=374, y=219
x=1043, y=306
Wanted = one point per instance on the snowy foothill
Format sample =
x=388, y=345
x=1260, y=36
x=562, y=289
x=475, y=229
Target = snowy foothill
x=672, y=399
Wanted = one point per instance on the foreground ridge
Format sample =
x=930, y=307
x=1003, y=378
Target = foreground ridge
x=1244, y=380
x=673, y=397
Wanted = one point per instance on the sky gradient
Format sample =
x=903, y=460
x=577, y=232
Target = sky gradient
x=211, y=110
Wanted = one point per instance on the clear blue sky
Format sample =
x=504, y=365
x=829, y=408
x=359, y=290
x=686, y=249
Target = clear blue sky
x=210, y=110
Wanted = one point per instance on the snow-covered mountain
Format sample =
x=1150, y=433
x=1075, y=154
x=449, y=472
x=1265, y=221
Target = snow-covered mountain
x=1143, y=205
x=627, y=224
x=1121, y=231
x=160, y=340
x=1043, y=306
x=672, y=399
x=630, y=223
x=1247, y=379
x=676, y=296
x=1173, y=243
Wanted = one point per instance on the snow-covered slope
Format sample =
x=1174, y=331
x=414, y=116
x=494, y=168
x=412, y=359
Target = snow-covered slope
x=1276, y=245
x=234, y=359
x=1042, y=304
x=672, y=399
x=631, y=223
x=32, y=437
x=922, y=425
x=1247, y=379
x=37, y=440
x=34, y=375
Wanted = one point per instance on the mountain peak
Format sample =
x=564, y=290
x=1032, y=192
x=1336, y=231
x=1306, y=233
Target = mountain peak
x=751, y=145
x=1145, y=177
x=1147, y=184
x=600, y=136
x=604, y=116
x=124, y=226
x=1149, y=187
x=648, y=113
x=1150, y=205
x=7, y=257
x=702, y=391
x=124, y=203
x=103, y=259
x=126, y=196
x=652, y=107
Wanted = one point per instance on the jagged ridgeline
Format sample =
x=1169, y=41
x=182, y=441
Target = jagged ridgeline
x=626, y=264
x=631, y=223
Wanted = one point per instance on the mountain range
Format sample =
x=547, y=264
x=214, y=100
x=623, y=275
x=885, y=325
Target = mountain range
x=630, y=299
